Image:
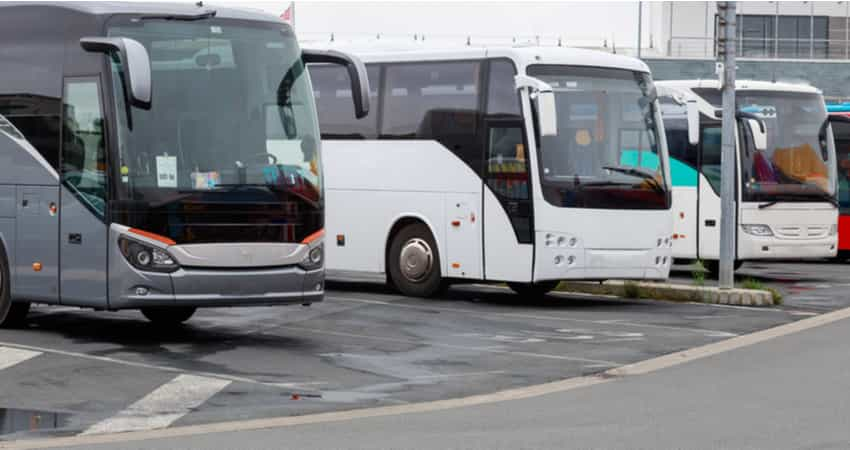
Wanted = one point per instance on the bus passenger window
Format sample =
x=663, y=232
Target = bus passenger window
x=507, y=168
x=83, y=146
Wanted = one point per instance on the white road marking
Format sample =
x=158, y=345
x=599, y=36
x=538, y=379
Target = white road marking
x=710, y=333
x=457, y=347
x=13, y=356
x=170, y=369
x=639, y=368
x=163, y=406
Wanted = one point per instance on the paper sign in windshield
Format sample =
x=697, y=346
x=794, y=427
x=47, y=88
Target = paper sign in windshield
x=166, y=171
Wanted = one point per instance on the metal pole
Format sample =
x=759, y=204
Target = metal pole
x=812, y=31
x=640, y=17
x=776, y=32
x=728, y=159
x=705, y=33
x=670, y=37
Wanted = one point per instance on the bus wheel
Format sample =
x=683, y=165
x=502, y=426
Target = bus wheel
x=533, y=290
x=168, y=315
x=11, y=314
x=414, y=263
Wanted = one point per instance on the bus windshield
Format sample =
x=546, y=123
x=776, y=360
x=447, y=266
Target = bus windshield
x=797, y=163
x=607, y=153
x=229, y=151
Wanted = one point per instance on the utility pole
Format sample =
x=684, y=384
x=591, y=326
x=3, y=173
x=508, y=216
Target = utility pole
x=726, y=44
x=640, y=19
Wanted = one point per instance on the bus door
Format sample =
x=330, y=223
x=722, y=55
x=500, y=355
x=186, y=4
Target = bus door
x=508, y=227
x=709, y=191
x=83, y=232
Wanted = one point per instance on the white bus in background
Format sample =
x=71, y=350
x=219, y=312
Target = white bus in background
x=786, y=189
x=519, y=165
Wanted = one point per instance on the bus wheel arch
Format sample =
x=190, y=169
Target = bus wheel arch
x=412, y=258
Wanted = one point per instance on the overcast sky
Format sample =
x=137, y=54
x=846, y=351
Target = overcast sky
x=578, y=23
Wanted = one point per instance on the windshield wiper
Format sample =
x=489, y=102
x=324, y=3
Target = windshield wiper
x=637, y=173
x=182, y=17
x=803, y=197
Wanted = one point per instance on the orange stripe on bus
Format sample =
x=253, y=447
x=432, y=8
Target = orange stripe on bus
x=317, y=235
x=153, y=236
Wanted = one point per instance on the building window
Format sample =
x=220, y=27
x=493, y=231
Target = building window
x=771, y=36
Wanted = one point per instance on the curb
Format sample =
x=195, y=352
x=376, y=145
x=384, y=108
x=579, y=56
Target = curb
x=673, y=292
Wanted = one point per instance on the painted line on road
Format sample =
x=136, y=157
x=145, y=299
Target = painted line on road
x=453, y=346
x=703, y=331
x=169, y=369
x=13, y=356
x=640, y=368
x=162, y=407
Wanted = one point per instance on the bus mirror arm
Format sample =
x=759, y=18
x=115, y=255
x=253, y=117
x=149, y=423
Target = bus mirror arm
x=356, y=72
x=135, y=62
x=693, y=121
x=547, y=111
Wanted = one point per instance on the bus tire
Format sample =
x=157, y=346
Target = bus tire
x=414, y=262
x=12, y=314
x=169, y=315
x=533, y=290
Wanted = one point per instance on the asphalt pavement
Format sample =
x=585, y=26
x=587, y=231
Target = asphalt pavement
x=787, y=393
x=73, y=372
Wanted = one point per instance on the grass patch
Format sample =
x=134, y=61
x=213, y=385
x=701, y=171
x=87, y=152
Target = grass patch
x=755, y=285
x=631, y=290
x=698, y=273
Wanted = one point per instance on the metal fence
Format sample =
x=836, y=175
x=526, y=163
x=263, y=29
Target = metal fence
x=766, y=48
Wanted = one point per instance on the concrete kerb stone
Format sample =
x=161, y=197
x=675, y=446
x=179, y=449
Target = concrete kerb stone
x=674, y=292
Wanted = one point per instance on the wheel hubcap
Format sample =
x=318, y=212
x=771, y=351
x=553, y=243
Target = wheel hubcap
x=416, y=259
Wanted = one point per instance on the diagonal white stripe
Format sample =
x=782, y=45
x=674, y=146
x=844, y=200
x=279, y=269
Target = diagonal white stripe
x=163, y=406
x=13, y=356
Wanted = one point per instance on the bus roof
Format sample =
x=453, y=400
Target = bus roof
x=743, y=85
x=148, y=8
x=523, y=56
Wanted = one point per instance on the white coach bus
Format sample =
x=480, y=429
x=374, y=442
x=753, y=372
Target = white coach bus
x=520, y=165
x=786, y=196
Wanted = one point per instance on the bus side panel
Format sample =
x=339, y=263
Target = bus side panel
x=505, y=258
x=364, y=220
x=83, y=240
x=463, y=236
x=684, y=209
x=36, y=275
x=708, y=221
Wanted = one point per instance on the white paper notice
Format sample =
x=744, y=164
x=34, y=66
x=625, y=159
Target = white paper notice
x=166, y=171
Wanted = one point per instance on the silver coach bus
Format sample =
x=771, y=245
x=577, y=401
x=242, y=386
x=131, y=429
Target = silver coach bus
x=158, y=157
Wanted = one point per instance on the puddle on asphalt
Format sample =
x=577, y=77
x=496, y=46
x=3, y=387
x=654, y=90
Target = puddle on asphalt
x=15, y=420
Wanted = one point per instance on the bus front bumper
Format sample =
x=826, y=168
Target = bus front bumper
x=755, y=247
x=199, y=287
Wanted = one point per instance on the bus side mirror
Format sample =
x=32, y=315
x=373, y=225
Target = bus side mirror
x=547, y=113
x=693, y=121
x=356, y=72
x=135, y=62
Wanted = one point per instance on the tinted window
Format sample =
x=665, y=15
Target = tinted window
x=711, y=140
x=332, y=88
x=841, y=131
x=683, y=156
x=435, y=101
x=507, y=159
x=83, y=146
x=31, y=78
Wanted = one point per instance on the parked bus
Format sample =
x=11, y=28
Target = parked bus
x=519, y=165
x=158, y=157
x=841, y=131
x=786, y=203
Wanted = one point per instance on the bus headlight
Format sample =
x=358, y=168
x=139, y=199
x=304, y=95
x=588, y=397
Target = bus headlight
x=146, y=257
x=314, y=259
x=757, y=230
